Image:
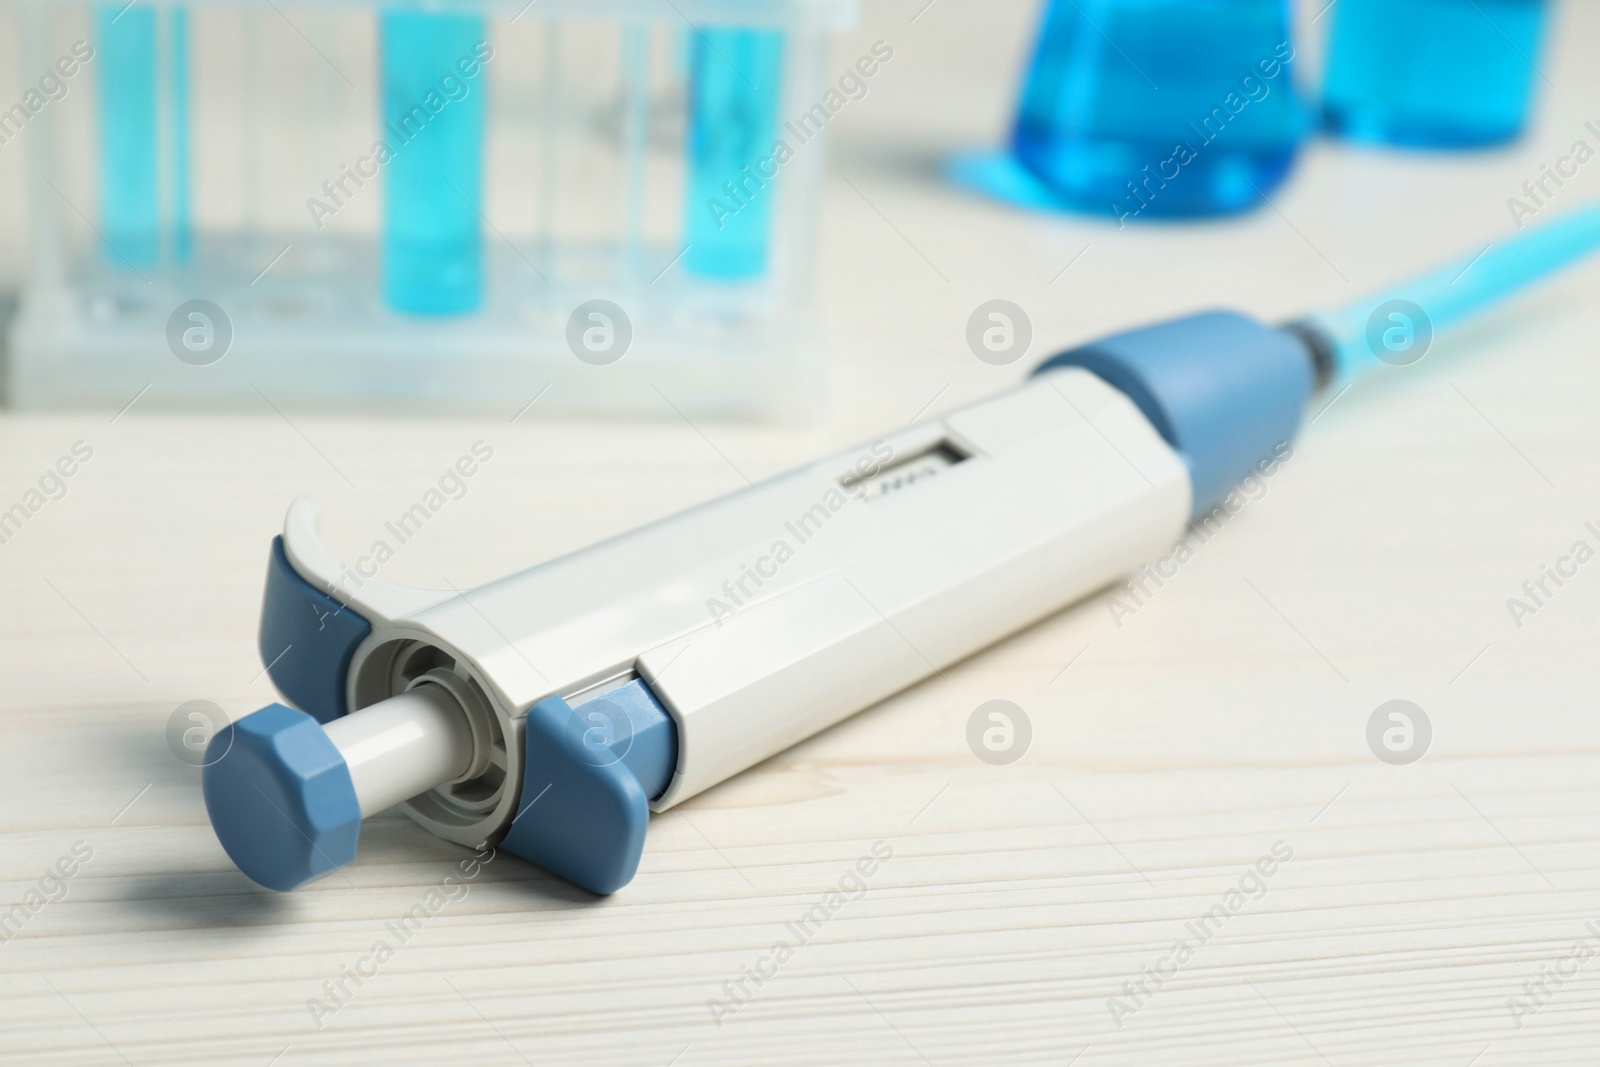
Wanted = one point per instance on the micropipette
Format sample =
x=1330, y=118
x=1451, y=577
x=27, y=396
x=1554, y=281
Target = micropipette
x=549, y=712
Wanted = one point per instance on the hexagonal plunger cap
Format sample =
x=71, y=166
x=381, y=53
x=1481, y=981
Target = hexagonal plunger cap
x=281, y=799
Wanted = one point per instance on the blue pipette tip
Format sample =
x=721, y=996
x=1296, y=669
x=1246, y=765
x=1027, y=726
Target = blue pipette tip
x=1398, y=325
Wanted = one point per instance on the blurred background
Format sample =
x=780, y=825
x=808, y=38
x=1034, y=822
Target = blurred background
x=585, y=158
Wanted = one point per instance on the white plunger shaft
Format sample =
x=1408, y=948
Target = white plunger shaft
x=404, y=746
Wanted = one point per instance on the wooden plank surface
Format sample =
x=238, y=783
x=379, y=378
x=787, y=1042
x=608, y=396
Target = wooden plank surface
x=1019, y=908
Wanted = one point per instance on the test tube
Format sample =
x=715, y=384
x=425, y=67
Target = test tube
x=635, y=134
x=144, y=133
x=1431, y=73
x=735, y=81
x=433, y=92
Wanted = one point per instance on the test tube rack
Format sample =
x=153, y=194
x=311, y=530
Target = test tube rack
x=267, y=204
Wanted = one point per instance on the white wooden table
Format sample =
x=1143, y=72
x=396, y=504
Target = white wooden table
x=1022, y=905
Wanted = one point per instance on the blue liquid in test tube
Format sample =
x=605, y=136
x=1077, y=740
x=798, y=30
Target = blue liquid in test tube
x=434, y=87
x=1431, y=73
x=735, y=81
x=144, y=133
x=1156, y=108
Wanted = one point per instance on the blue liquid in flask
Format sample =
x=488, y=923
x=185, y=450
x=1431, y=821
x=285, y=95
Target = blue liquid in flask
x=1161, y=108
x=1431, y=73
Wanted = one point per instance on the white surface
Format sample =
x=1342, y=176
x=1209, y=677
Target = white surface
x=1169, y=753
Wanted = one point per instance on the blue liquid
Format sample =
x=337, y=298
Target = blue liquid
x=142, y=58
x=1160, y=108
x=735, y=78
x=1431, y=73
x=434, y=87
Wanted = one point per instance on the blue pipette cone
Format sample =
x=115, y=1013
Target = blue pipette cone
x=1395, y=325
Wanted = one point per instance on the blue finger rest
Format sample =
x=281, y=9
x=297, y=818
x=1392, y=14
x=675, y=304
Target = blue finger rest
x=306, y=639
x=1221, y=388
x=589, y=773
x=280, y=798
